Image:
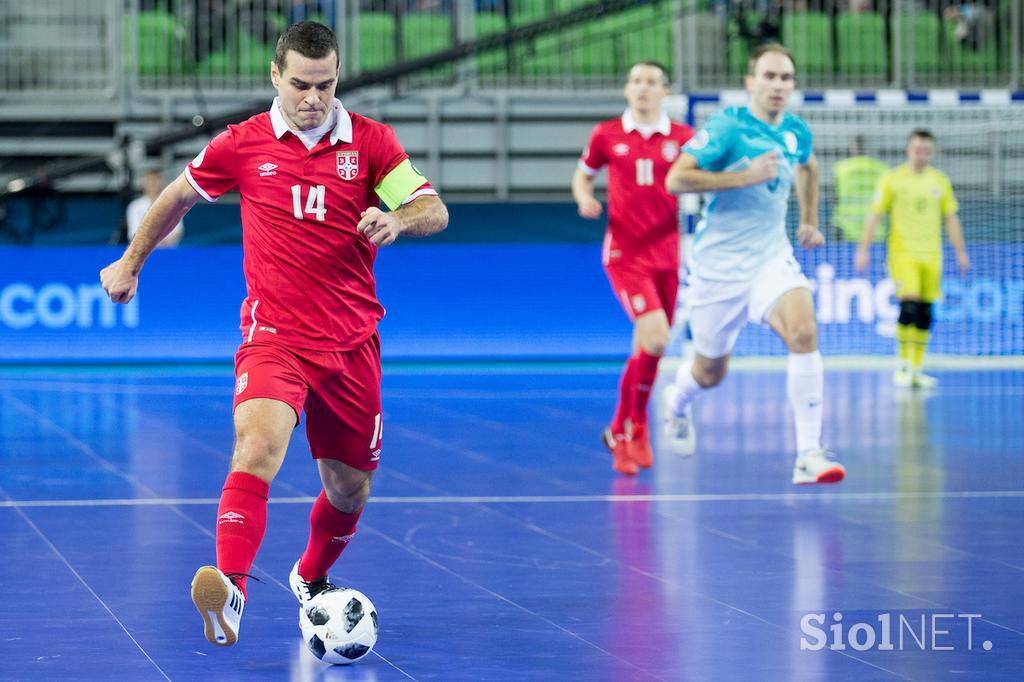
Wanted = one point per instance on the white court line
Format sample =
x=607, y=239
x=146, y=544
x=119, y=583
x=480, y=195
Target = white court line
x=85, y=584
x=549, y=499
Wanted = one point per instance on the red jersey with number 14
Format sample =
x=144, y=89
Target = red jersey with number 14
x=643, y=218
x=308, y=271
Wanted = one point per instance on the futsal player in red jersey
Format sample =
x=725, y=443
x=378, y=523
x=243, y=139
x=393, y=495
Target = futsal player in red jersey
x=641, y=245
x=312, y=177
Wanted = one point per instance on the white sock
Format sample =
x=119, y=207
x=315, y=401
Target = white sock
x=686, y=388
x=805, y=381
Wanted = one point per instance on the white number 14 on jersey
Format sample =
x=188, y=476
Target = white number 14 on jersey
x=315, y=202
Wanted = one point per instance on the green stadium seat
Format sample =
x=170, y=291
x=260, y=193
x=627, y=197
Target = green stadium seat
x=376, y=40
x=254, y=56
x=963, y=59
x=862, y=49
x=159, y=45
x=927, y=32
x=425, y=33
x=489, y=23
x=809, y=36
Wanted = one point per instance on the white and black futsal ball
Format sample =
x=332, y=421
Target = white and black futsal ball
x=339, y=626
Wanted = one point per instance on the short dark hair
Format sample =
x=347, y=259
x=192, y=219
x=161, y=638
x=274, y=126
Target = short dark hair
x=762, y=50
x=309, y=39
x=657, y=65
x=923, y=133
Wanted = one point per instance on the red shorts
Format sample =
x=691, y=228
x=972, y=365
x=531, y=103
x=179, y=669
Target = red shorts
x=338, y=390
x=642, y=291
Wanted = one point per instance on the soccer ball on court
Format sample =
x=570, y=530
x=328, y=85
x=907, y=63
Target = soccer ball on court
x=339, y=626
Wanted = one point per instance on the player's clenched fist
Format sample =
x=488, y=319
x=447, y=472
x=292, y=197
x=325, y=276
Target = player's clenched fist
x=379, y=227
x=763, y=168
x=589, y=207
x=809, y=237
x=119, y=282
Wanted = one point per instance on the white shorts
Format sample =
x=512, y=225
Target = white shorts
x=718, y=310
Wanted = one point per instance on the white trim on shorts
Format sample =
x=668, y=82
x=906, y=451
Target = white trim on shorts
x=719, y=310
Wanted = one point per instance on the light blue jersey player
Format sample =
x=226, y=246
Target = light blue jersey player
x=746, y=161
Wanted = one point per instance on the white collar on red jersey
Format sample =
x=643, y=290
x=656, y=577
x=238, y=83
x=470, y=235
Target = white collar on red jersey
x=342, y=128
x=663, y=125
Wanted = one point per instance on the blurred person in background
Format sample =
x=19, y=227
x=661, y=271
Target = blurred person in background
x=152, y=185
x=855, y=180
x=641, y=245
x=919, y=200
x=747, y=160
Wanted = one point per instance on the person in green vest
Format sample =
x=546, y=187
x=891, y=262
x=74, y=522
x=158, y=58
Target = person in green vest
x=855, y=179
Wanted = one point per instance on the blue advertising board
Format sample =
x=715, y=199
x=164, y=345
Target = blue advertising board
x=470, y=301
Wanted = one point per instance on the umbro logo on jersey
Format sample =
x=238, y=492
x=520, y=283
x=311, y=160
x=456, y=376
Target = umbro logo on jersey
x=230, y=517
x=621, y=149
x=267, y=169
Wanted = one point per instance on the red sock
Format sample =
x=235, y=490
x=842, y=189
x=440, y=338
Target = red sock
x=241, y=522
x=330, y=530
x=625, y=397
x=643, y=379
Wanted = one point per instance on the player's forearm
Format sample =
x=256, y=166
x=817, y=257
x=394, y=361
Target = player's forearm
x=870, y=227
x=956, y=233
x=807, y=193
x=423, y=216
x=582, y=186
x=683, y=181
x=160, y=220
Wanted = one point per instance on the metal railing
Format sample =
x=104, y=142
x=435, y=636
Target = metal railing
x=104, y=49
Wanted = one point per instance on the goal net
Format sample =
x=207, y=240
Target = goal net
x=981, y=148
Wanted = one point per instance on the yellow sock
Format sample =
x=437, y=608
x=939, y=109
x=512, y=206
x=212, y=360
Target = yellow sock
x=918, y=346
x=905, y=338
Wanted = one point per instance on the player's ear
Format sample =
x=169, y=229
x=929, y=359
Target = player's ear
x=275, y=74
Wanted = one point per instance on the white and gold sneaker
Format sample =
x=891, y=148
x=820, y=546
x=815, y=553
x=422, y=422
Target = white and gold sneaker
x=220, y=603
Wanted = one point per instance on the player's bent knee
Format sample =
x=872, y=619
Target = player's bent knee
x=908, y=313
x=803, y=338
x=259, y=460
x=655, y=346
x=346, y=489
x=709, y=376
x=653, y=334
x=923, y=317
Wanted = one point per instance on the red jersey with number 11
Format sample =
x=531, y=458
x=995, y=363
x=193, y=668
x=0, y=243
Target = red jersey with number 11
x=308, y=271
x=643, y=218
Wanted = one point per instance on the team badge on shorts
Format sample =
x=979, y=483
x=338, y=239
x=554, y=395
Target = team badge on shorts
x=348, y=165
x=639, y=303
x=670, y=150
x=242, y=382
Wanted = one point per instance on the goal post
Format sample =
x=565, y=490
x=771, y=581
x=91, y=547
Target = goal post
x=980, y=146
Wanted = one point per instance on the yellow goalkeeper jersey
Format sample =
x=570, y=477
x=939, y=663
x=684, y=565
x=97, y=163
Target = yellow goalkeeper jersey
x=916, y=204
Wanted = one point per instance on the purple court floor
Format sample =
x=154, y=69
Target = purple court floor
x=499, y=545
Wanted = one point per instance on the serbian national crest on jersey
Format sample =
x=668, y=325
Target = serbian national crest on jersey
x=348, y=165
x=669, y=150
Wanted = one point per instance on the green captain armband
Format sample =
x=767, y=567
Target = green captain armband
x=397, y=185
